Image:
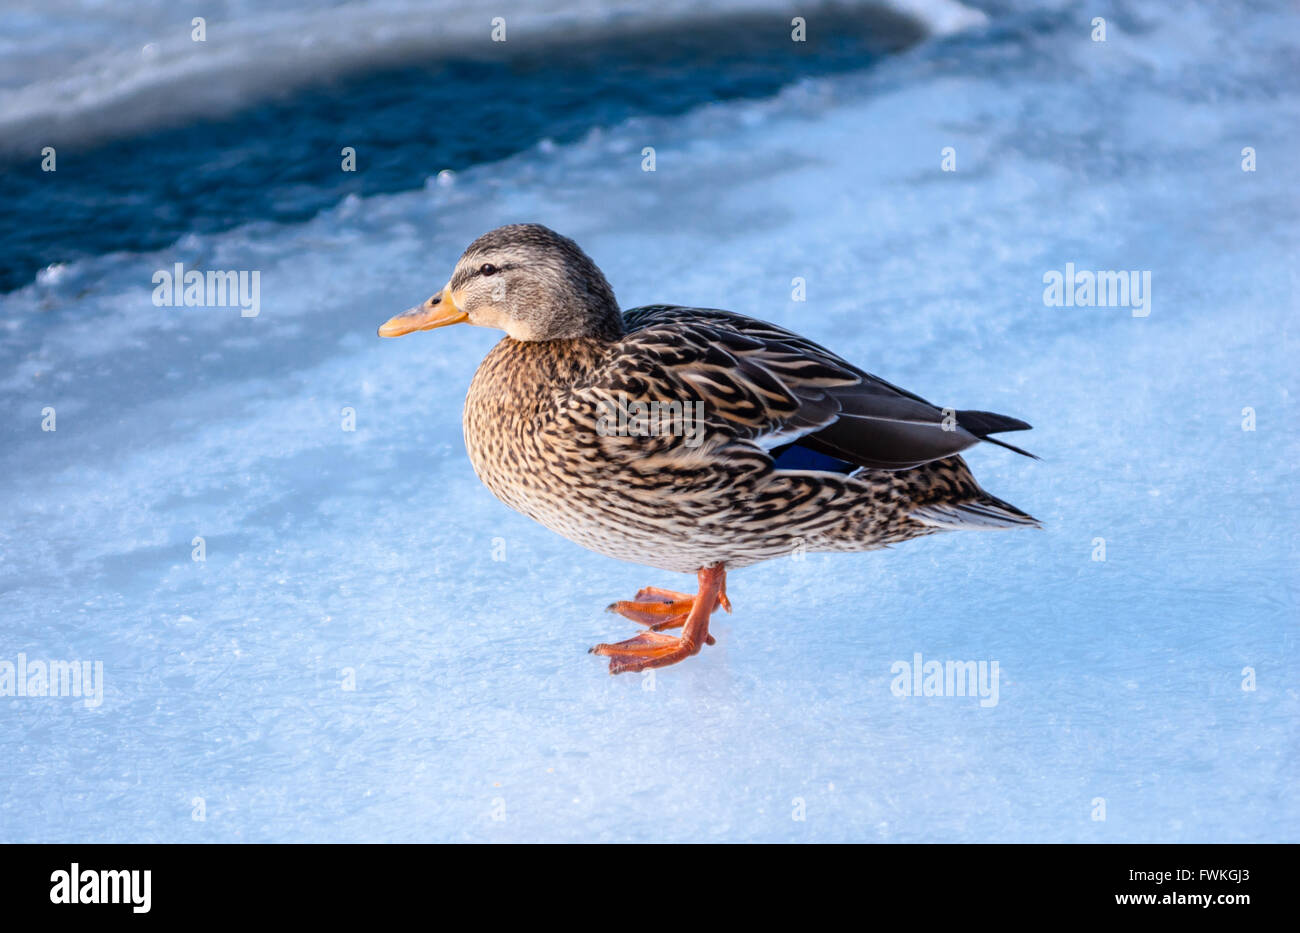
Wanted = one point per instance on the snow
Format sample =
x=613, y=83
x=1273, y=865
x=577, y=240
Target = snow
x=477, y=714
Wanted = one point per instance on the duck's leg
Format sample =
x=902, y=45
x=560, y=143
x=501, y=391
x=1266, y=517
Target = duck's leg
x=662, y=609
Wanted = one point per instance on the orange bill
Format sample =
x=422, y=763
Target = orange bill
x=438, y=311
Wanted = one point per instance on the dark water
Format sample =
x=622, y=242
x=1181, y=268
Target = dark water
x=280, y=160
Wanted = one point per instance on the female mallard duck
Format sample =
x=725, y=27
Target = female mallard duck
x=690, y=439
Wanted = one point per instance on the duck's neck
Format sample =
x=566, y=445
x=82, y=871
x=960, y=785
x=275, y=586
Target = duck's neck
x=596, y=319
x=607, y=326
x=530, y=367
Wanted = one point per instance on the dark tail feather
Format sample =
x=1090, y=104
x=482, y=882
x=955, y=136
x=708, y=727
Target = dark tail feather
x=984, y=423
x=1025, y=453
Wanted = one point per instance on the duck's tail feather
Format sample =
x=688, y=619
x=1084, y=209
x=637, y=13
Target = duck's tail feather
x=984, y=423
x=944, y=494
x=987, y=512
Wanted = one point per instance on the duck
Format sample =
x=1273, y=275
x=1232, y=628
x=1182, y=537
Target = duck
x=690, y=440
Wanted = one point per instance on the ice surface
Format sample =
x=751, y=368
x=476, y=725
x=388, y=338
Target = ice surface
x=372, y=550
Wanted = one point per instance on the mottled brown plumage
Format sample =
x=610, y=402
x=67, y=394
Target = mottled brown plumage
x=769, y=443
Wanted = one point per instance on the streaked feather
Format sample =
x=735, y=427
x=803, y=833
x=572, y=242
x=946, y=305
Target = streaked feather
x=800, y=448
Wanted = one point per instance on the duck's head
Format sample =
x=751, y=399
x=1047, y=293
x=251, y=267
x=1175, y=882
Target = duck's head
x=526, y=280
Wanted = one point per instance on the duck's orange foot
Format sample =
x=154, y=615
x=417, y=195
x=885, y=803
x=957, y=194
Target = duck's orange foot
x=647, y=650
x=660, y=609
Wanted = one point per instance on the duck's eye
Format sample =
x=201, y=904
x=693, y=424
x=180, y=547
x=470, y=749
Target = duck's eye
x=487, y=269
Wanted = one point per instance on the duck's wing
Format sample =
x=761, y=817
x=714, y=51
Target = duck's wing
x=776, y=390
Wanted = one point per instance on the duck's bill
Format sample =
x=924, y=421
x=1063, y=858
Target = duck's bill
x=438, y=311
